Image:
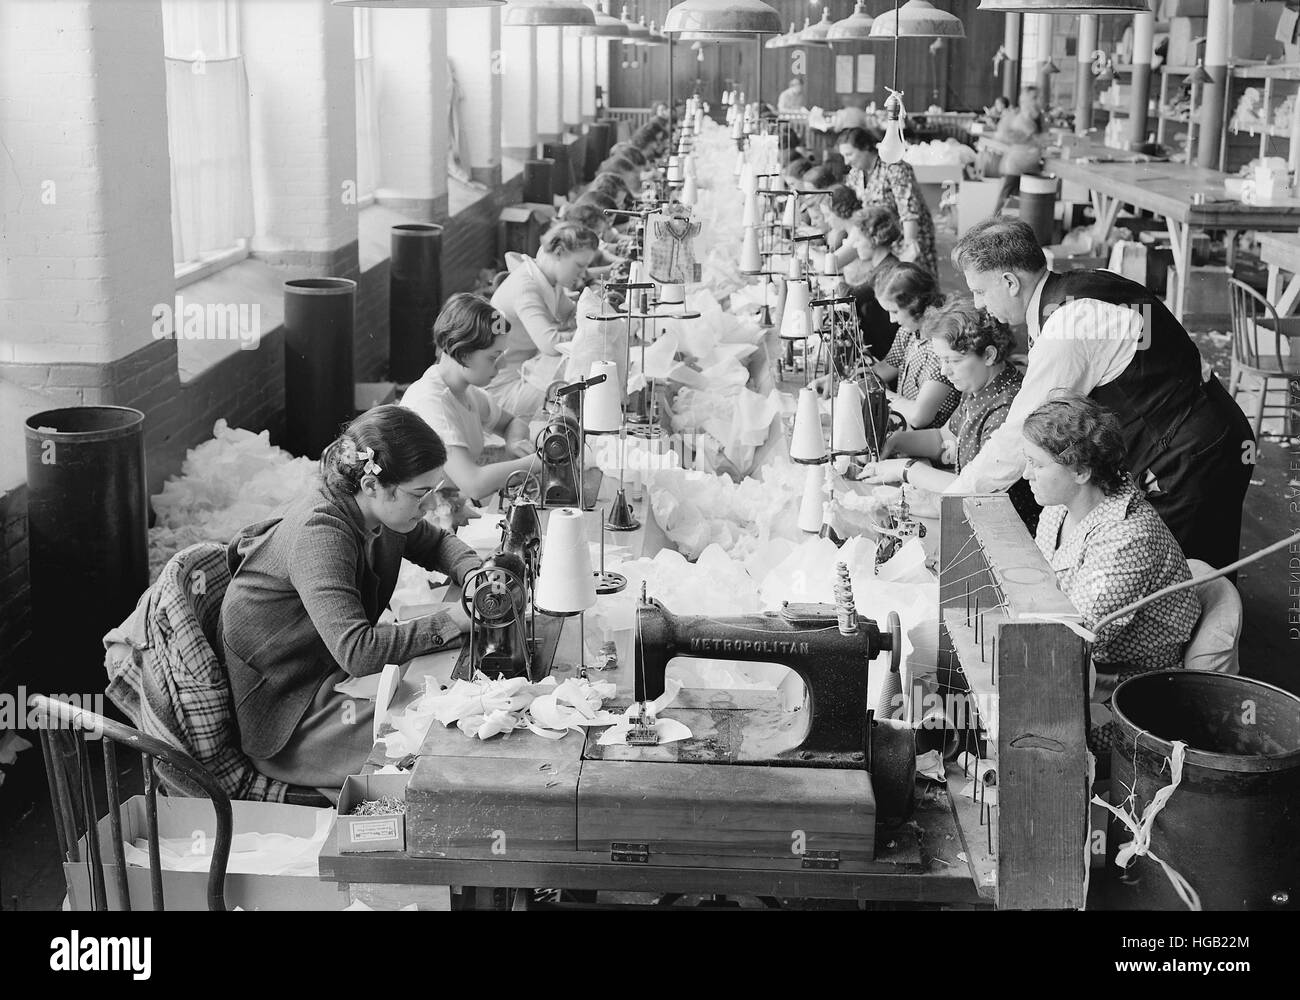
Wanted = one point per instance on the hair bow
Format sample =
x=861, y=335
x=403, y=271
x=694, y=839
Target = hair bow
x=368, y=456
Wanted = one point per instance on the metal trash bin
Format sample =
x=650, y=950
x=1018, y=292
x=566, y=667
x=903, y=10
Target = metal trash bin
x=319, y=315
x=414, y=298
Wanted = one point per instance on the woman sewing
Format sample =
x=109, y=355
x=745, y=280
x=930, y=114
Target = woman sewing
x=972, y=349
x=922, y=395
x=894, y=185
x=1106, y=543
x=302, y=610
x=471, y=338
x=533, y=299
x=871, y=239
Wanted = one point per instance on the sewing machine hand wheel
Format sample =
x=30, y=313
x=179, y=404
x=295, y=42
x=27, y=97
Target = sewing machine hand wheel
x=894, y=625
x=487, y=595
x=522, y=485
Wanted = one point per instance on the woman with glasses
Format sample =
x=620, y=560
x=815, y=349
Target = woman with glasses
x=470, y=337
x=302, y=610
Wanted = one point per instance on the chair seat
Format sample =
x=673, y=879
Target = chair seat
x=1273, y=366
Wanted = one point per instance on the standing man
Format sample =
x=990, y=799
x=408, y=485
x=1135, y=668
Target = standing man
x=791, y=98
x=1188, y=445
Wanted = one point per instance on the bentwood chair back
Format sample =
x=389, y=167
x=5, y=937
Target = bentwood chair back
x=65, y=732
x=1253, y=318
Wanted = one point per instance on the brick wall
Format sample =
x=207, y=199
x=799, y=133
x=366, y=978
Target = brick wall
x=246, y=388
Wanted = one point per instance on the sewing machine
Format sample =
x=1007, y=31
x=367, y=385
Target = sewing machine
x=901, y=527
x=504, y=637
x=560, y=444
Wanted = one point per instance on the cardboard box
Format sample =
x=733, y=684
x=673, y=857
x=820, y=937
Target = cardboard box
x=976, y=201
x=1254, y=30
x=381, y=832
x=188, y=819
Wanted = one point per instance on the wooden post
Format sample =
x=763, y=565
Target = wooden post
x=1083, y=75
x=1215, y=92
x=1044, y=56
x=1144, y=36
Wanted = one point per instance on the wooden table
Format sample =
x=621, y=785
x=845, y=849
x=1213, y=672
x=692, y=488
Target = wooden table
x=1281, y=252
x=1167, y=189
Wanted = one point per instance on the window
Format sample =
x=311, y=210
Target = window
x=207, y=133
x=367, y=108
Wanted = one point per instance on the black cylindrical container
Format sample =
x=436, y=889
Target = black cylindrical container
x=1229, y=828
x=87, y=531
x=539, y=181
x=1038, y=206
x=414, y=298
x=318, y=386
x=599, y=139
x=563, y=177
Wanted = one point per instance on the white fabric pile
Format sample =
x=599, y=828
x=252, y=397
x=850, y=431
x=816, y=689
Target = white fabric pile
x=939, y=152
x=234, y=480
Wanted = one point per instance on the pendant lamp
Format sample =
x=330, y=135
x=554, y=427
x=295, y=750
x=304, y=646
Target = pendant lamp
x=1067, y=6
x=854, y=28
x=605, y=26
x=806, y=38
x=637, y=34
x=816, y=34
x=750, y=16
x=781, y=41
x=416, y=4
x=547, y=14
x=917, y=19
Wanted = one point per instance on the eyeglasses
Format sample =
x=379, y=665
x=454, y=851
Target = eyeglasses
x=420, y=498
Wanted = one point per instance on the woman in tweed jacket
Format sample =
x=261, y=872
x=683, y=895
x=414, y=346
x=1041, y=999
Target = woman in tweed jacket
x=302, y=610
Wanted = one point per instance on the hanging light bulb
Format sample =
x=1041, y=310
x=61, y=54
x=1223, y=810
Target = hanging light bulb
x=893, y=146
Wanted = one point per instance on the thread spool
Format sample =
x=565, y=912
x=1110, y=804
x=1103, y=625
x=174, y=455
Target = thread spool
x=814, y=495
x=936, y=730
x=602, y=411
x=796, y=319
x=740, y=164
x=689, y=195
x=748, y=180
x=751, y=261
x=566, y=585
x=791, y=215
x=807, y=443
x=848, y=430
x=753, y=215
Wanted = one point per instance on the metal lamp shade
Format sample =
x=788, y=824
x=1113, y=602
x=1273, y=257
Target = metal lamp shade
x=854, y=28
x=816, y=34
x=751, y=17
x=636, y=33
x=417, y=4
x=715, y=37
x=787, y=41
x=803, y=38
x=918, y=19
x=547, y=14
x=1066, y=6
x=606, y=26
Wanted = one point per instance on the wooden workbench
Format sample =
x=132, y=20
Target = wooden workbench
x=1281, y=252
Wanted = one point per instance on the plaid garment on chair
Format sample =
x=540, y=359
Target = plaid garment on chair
x=175, y=686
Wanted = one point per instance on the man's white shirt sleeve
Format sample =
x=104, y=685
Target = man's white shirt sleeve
x=1083, y=344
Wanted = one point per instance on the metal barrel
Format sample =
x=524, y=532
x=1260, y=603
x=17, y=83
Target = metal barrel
x=319, y=314
x=87, y=531
x=539, y=181
x=600, y=136
x=562, y=178
x=414, y=298
x=1038, y=206
x=1230, y=827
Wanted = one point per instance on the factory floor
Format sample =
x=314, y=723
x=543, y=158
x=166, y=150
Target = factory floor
x=31, y=877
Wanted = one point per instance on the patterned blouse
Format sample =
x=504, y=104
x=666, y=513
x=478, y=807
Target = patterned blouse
x=895, y=186
x=977, y=416
x=1118, y=554
x=914, y=358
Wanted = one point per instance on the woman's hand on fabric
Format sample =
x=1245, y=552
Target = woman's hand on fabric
x=886, y=472
x=452, y=510
x=521, y=447
x=457, y=615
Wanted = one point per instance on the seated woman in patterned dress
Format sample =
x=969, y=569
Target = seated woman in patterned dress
x=1107, y=544
x=972, y=348
x=872, y=237
x=894, y=185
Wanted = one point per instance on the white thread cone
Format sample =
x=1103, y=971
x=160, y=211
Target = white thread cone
x=814, y=497
x=751, y=261
x=602, y=410
x=636, y=273
x=740, y=164
x=830, y=266
x=566, y=584
x=672, y=294
x=674, y=169
x=748, y=180
x=796, y=319
x=751, y=217
x=791, y=212
x=689, y=194
x=738, y=127
x=848, y=432
x=699, y=121
x=807, y=443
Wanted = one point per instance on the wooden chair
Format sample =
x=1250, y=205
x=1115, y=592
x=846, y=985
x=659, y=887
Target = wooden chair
x=1252, y=316
x=65, y=731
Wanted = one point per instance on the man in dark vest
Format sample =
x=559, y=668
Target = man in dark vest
x=1190, y=448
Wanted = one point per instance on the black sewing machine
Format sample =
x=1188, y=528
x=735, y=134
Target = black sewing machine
x=828, y=645
x=560, y=445
x=504, y=640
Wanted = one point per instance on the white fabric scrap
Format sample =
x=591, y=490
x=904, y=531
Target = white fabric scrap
x=250, y=853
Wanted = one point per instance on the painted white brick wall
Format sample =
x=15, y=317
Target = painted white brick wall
x=85, y=230
x=550, y=90
x=299, y=55
x=474, y=48
x=409, y=49
x=519, y=88
x=589, y=77
x=573, y=81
